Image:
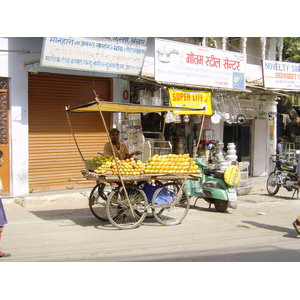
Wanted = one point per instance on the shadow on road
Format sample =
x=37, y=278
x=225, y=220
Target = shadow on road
x=290, y=232
x=194, y=204
x=83, y=217
x=80, y=216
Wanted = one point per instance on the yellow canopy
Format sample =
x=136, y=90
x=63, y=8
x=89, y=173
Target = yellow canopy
x=127, y=107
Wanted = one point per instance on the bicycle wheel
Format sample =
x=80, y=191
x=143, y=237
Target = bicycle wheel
x=169, y=205
x=97, y=201
x=272, y=186
x=123, y=215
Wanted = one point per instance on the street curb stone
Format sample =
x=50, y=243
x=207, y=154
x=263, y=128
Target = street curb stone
x=257, y=184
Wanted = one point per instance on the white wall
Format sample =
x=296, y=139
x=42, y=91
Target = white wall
x=18, y=98
x=259, y=154
x=264, y=143
x=218, y=130
x=3, y=57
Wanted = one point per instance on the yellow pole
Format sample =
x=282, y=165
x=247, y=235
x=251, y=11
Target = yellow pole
x=114, y=153
x=73, y=134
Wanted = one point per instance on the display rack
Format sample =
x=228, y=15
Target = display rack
x=152, y=146
x=289, y=150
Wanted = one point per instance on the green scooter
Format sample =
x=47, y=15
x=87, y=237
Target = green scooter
x=215, y=186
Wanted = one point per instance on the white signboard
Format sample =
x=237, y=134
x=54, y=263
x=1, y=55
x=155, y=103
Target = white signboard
x=281, y=75
x=192, y=64
x=122, y=55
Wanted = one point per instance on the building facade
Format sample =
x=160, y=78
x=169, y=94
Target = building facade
x=35, y=135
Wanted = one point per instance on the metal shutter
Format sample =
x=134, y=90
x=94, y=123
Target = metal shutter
x=54, y=161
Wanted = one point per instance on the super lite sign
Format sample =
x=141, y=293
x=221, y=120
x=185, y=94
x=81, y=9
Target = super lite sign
x=193, y=99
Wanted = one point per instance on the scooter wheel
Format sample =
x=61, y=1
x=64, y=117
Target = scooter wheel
x=221, y=205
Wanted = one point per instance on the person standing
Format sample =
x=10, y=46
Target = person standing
x=280, y=147
x=3, y=219
x=120, y=148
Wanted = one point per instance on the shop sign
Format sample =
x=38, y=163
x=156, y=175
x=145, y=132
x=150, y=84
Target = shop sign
x=193, y=99
x=122, y=55
x=196, y=65
x=281, y=75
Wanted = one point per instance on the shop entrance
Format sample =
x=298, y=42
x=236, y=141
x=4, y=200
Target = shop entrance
x=54, y=161
x=241, y=136
x=4, y=135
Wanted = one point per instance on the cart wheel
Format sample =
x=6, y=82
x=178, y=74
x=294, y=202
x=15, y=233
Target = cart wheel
x=97, y=201
x=169, y=206
x=123, y=215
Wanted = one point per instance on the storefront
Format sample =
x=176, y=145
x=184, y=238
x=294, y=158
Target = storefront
x=54, y=161
x=42, y=153
x=47, y=77
x=242, y=115
x=172, y=67
x=53, y=158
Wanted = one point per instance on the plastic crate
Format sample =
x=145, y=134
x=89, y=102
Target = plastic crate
x=91, y=166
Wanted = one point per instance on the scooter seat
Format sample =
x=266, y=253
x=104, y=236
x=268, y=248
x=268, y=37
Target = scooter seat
x=219, y=174
x=215, y=173
x=209, y=172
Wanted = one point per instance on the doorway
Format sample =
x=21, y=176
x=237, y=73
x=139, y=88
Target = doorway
x=241, y=136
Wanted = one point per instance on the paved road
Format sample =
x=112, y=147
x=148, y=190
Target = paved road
x=259, y=230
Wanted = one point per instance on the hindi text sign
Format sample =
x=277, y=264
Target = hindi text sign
x=122, y=55
x=196, y=65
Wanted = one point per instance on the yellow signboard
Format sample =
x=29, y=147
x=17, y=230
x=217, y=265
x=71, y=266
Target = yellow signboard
x=193, y=99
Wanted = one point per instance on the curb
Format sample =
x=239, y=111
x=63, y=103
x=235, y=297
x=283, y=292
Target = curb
x=255, y=185
x=48, y=198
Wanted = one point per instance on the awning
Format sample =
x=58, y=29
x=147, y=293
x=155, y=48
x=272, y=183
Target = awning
x=128, y=108
x=151, y=80
x=280, y=92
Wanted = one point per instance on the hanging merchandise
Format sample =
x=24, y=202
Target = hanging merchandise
x=131, y=132
x=170, y=117
x=186, y=118
x=239, y=116
x=228, y=109
x=144, y=97
x=215, y=118
x=157, y=98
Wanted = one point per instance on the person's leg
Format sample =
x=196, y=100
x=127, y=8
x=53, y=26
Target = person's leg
x=296, y=224
x=2, y=254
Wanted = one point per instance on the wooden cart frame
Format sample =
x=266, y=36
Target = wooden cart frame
x=131, y=198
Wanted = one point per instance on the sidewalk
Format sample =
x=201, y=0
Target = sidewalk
x=78, y=195
x=49, y=197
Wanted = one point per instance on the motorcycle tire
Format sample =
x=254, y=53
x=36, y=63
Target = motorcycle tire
x=272, y=187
